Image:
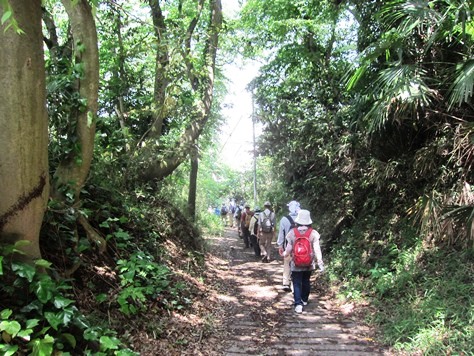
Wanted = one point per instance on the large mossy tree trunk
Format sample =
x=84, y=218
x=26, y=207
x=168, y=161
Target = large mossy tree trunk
x=72, y=173
x=24, y=182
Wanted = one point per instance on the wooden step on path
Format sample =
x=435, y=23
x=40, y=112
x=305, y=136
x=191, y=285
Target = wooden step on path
x=266, y=323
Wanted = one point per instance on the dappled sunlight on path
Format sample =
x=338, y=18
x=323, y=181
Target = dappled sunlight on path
x=260, y=317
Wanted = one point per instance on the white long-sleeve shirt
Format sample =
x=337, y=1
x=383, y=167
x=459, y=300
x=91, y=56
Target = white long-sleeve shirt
x=285, y=226
x=314, y=240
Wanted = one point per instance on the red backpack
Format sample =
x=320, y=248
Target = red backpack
x=302, y=250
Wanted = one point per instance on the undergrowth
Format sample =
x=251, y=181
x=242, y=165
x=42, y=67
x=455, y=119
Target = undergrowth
x=78, y=300
x=424, y=297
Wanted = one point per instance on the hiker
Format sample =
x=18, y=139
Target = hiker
x=266, y=231
x=286, y=224
x=245, y=223
x=224, y=212
x=303, y=247
x=253, y=228
x=232, y=208
x=237, y=214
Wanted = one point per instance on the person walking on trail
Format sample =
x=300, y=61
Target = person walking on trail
x=245, y=224
x=237, y=214
x=253, y=228
x=224, y=211
x=286, y=224
x=266, y=231
x=230, y=215
x=303, y=246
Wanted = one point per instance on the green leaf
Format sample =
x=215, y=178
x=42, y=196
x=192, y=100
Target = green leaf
x=91, y=334
x=61, y=302
x=6, y=16
x=44, y=290
x=22, y=243
x=1, y=265
x=24, y=334
x=5, y=313
x=31, y=323
x=109, y=343
x=90, y=119
x=42, y=347
x=11, y=327
x=101, y=297
x=24, y=270
x=80, y=47
x=35, y=305
x=63, y=317
x=8, y=350
x=43, y=263
x=104, y=224
x=54, y=319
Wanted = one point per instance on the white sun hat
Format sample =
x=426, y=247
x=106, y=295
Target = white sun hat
x=293, y=206
x=303, y=218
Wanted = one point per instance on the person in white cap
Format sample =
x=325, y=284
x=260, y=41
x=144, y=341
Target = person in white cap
x=301, y=275
x=286, y=224
x=266, y=231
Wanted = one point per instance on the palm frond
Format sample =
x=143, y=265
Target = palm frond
x=462, y=215
x=463, y=84
x=402, y=90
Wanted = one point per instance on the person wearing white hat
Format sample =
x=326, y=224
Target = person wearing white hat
x=286, y=224
x=300, y=275
x=266, y=231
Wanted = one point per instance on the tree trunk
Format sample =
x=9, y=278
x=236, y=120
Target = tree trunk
x=204, y=86
x=161, y=69
x=24, y=188
x=193, y=184
x=73, y=172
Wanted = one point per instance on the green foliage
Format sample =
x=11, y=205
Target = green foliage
x=42, y=318
x=140, y=279
x=423, y=297
x=8, y=18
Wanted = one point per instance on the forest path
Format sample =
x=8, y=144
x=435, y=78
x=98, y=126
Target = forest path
x=259, y=315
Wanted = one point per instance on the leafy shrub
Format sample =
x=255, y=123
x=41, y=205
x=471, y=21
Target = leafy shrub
x=424, y=297
x=140, y=279
x=42, y=318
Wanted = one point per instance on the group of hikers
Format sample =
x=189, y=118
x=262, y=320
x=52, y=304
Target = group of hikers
x=298, y=243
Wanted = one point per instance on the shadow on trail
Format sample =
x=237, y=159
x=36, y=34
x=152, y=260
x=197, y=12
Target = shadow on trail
x=260, y=317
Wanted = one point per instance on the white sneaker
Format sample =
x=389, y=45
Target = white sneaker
x=299, y=309
x=305, y=303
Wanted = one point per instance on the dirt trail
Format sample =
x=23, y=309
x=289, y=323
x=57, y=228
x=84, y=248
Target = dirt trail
x=260, y=319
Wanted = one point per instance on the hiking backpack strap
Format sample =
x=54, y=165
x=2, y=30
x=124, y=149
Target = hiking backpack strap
x=292, y=225
x=306, y=234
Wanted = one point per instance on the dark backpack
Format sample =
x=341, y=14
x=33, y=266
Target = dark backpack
x=224, y=210
x=302, y=249
x=238, y=213
x=267, y=225
x=292, y=226
x=292, y=223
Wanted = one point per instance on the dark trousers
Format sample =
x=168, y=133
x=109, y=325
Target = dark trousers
x=301, y=286
x=246, y=236
x=255, y=245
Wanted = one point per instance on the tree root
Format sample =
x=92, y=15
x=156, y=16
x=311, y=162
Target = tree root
x=92, y=234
